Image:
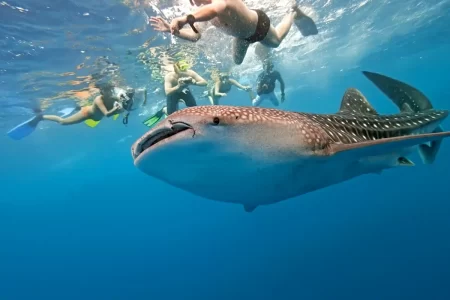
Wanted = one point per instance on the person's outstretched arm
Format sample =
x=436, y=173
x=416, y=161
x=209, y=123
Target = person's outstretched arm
x=203, y=14
x=159, y=24
x=234, y=82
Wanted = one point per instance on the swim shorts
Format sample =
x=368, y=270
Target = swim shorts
x=262, y=27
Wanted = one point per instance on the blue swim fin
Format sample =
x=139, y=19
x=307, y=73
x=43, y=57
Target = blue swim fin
x=24, y=129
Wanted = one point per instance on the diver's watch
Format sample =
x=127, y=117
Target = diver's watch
x=191, y=20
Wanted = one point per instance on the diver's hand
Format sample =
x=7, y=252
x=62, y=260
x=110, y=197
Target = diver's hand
x=247, y=88
x=159, y=24
x=177, y=24
x=186, y=81
x=222, y=94
x=182, y=83
x=118, y=105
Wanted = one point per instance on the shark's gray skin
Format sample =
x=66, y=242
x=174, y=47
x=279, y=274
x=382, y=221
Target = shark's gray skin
x=257, y=156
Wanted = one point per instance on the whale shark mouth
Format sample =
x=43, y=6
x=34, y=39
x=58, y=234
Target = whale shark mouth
x=159, y=136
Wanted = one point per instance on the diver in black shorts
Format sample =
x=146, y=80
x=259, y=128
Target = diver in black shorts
x=176, y=87
x=234, y=18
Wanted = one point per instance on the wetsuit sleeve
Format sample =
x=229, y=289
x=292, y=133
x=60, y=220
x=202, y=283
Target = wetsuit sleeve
x=280, y=79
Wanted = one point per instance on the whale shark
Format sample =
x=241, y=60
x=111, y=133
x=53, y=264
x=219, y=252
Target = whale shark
x=258, y=156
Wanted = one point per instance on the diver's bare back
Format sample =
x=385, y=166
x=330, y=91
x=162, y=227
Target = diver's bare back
x=236, y=20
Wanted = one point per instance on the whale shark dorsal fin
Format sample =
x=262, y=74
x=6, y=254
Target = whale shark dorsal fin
x=406, y=97
x=249, y=208
x=354, y=102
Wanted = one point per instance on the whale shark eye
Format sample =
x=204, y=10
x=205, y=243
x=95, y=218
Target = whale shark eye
x=216, y=121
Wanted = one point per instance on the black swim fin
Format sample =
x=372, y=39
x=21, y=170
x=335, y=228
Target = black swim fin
x=305, y=24
x=153, y=120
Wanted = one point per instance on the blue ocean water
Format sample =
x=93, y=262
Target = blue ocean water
x=79, y=221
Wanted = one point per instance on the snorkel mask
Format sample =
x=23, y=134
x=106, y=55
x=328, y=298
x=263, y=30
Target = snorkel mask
x=182, y=65
x=224, y=76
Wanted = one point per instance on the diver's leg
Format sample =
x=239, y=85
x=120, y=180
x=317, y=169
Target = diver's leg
x=189, y=100
x=276, y=35
x=273, y=98
x=257, y=101
x=172, y=104
x=240, y=48
x=74, y=119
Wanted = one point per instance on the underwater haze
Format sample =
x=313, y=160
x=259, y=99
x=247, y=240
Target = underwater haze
x=79, y=221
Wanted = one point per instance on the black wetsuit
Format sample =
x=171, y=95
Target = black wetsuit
x=267, y=79
x=184, y=95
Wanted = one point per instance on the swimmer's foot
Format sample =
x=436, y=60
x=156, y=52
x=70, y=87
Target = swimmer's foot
x=304, y=23
x=298, y=12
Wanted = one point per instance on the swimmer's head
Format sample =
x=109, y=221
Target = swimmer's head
x=224, y=76
x=268, y=66
x=106, y=89
x=129, y=92
x=181, y=66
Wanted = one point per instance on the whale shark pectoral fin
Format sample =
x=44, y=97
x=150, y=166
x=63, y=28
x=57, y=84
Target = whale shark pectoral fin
x=429, y=151
x=249, y=208
x=383, y=146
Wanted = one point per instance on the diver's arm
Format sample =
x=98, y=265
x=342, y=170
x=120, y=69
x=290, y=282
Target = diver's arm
x=160, y=24
x=209, y=11
x=188, y=34
x=217, y=89
x=101, y=105
x=203, y=14
x=199, y=80
x=234, y=82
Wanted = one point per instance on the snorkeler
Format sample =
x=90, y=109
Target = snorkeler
x=110, y=102
x=176, y=87
x=266, y=85
x=222, y=85
x=233, y=17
